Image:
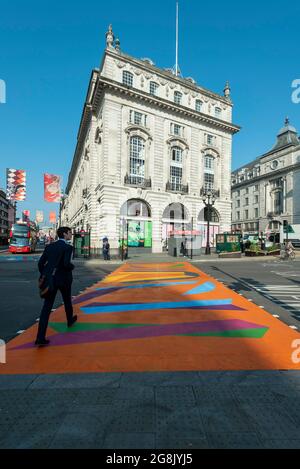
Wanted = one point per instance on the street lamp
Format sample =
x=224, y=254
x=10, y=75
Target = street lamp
x=209, y=199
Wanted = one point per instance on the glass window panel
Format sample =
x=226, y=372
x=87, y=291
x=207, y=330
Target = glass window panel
x=153, y=88
x=198, y=105
x=127, y=78
x=177, y=97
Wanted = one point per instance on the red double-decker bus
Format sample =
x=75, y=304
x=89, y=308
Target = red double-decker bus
x=23, y=237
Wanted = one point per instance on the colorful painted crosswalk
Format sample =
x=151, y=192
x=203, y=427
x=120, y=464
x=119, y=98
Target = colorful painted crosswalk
x=157, y=317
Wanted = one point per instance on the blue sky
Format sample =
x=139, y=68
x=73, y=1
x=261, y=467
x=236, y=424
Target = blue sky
x=48, y=49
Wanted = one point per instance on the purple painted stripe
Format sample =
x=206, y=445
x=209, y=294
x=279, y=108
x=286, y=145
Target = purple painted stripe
x=94, y=294
x=141, y=332
x=228, y=307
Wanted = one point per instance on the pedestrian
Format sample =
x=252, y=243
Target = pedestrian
x=55, y=268
x=105, y=249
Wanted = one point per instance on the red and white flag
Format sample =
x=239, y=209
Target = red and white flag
x=15, y=184
x=52, y=187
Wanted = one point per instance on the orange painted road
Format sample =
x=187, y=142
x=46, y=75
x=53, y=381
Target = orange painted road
x=157, y=317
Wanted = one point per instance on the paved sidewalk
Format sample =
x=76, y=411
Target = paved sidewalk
x=188, y=410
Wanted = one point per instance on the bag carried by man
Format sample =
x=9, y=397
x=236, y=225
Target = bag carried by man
x=46, y=282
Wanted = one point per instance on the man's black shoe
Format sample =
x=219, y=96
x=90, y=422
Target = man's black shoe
x=41, y=343
x=74, y=319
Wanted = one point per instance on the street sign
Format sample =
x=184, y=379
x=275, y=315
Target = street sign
x=288, y=229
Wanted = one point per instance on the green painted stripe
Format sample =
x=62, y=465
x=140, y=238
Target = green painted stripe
x=245, y=333
x=92, y=326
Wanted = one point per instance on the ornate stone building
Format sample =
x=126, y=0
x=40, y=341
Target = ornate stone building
x=266, y=191
x=7, y=217
x=149, y=142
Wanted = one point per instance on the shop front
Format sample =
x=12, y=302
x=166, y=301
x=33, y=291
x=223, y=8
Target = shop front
x=136, y=224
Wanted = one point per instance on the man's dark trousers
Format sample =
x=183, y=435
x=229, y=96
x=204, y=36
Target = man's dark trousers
x=56, y=259
x=48, y=305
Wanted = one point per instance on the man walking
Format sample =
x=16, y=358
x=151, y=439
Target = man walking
x=56, y=261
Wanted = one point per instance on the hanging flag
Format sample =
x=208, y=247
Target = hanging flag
x=26, y=215
x=39, y=216
x=15, y=184
x=52, y=217
x=52, y=187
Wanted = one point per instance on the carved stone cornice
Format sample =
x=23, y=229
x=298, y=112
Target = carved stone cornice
x=138, y=130
x=178, y=141
x=136, y=94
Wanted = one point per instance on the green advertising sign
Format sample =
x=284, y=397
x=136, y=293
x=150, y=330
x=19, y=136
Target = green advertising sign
x=136, y=236
x=148, y=234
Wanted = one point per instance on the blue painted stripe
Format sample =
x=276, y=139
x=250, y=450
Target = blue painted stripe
x=204, y=288
x=152, y=285
x=151, y=306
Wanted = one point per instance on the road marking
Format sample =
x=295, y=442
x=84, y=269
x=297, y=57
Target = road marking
x=293, y=327
x=20, y=332
x=276, y=316
x=15, y=281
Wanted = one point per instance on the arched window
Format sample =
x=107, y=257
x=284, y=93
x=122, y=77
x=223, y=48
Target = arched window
x=177, y=97
x=209, y=172
x=137, y=158
x=153, y=87
x=214, y=216
x=198, y=105
x=176, y=211
x=136, y=208
x=127, y=78
x=177, y=154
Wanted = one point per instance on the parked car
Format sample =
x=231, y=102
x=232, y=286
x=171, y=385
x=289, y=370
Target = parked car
x=295, y=242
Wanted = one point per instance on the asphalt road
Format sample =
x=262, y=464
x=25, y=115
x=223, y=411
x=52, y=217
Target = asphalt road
x=273, y=284
x=20, y=303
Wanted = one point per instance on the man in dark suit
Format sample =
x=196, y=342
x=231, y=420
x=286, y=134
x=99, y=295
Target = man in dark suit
x=56, y=259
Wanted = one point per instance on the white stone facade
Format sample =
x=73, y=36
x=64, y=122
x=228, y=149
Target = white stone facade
x=266, y=191
x=117, y=116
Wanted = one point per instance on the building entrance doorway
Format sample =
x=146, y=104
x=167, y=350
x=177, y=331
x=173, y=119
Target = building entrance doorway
x=136, y=225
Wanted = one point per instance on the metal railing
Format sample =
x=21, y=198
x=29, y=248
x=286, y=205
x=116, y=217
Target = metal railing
x=137, y=181
x=174, y=187
x=214, y=192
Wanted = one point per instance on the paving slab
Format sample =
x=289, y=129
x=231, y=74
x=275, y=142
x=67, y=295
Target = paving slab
x=236, y=440
x=129, y=441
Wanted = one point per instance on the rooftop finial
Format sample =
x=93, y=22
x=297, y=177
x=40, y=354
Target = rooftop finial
x=117, y=44
x=110, y=37
x=287, y=121
x=227, y=90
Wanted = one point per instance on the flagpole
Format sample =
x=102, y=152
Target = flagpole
x=176, y=59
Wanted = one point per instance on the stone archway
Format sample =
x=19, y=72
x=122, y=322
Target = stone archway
x=214, y=225
x=175, y=219
x=136, y=223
